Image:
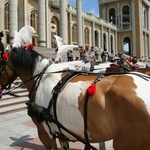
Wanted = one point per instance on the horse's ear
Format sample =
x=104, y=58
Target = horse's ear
x=1, y=34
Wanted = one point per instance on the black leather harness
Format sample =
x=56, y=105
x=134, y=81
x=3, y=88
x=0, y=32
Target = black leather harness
x=43, y=114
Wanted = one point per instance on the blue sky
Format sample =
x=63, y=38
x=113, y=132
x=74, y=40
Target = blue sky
x=87, y=6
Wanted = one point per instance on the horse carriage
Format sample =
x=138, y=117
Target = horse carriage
x=122, y=66
x=75, y=105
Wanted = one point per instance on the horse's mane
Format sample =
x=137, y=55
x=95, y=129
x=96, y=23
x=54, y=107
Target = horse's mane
x=24, y=58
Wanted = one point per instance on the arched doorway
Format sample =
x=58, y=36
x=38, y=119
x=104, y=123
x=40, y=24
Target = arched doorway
x=96, y=39
x=104, y=41
x=127, y=45
x=111, y=44
x=87, y=36
x=112, y=16
x=74, y=34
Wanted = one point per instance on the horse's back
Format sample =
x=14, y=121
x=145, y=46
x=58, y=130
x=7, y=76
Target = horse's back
x=127, y=102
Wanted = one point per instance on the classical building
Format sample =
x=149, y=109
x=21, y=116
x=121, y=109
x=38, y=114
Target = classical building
x=123, y=25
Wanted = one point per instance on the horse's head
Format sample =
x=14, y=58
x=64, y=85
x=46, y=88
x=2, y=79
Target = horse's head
x=7, y=72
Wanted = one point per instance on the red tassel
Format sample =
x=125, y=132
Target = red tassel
x=5, y=56
x=91, y=89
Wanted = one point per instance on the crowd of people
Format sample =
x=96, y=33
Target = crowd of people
x=92, y=55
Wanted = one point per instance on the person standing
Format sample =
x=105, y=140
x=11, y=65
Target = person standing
x=91, y=57
x=104, y=55
x=70, y=55
x=82, y=52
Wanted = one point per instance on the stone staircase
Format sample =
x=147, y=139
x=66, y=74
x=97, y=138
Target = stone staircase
x=16, y=100
x=10, y=103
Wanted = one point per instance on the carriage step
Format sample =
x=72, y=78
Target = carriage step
x=13, y=108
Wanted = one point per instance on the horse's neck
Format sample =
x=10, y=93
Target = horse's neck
x=27, y=78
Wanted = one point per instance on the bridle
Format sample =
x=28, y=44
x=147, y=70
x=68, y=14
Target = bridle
x=3, y=69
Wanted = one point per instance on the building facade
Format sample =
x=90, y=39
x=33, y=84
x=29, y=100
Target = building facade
x=132, y=18
x=123, y=25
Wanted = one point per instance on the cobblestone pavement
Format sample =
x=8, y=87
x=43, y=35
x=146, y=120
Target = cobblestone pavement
x=17, y=132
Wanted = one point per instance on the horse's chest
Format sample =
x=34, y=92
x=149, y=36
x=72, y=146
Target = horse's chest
x=67, y=107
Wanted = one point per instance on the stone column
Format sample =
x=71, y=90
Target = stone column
x=93, y=34
x=102, y=41
x=41, y=23
x=13, y=19
x=149, y=32
x=79, y=22
x=116, y=43
x=70, y=28
x=63, y=20
x=109, y=40
x=134, y=33
x=83, y=40
x=25, y=12
x=138, y=28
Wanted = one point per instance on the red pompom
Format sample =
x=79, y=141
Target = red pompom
x=92, y=47
x=5, y=56
x=130, y=59
x=92, y=89
x=30, y=47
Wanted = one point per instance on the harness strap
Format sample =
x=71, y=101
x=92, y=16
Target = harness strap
x=87, y=146
x=44, y=114
x=37, y=82
x=57, y=89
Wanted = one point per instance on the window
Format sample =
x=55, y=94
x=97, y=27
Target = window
x=6, y=16
x=112, y=16
x=127, y=46
x=104, y=41
x=33, y=20
x=74, y=33
x=86, y=36
x=111, y=43
x=144, y=19
x=125, y=17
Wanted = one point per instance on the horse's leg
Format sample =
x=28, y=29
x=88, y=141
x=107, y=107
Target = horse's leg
x=102, y=146
x=64, y=143
x=44, y=137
